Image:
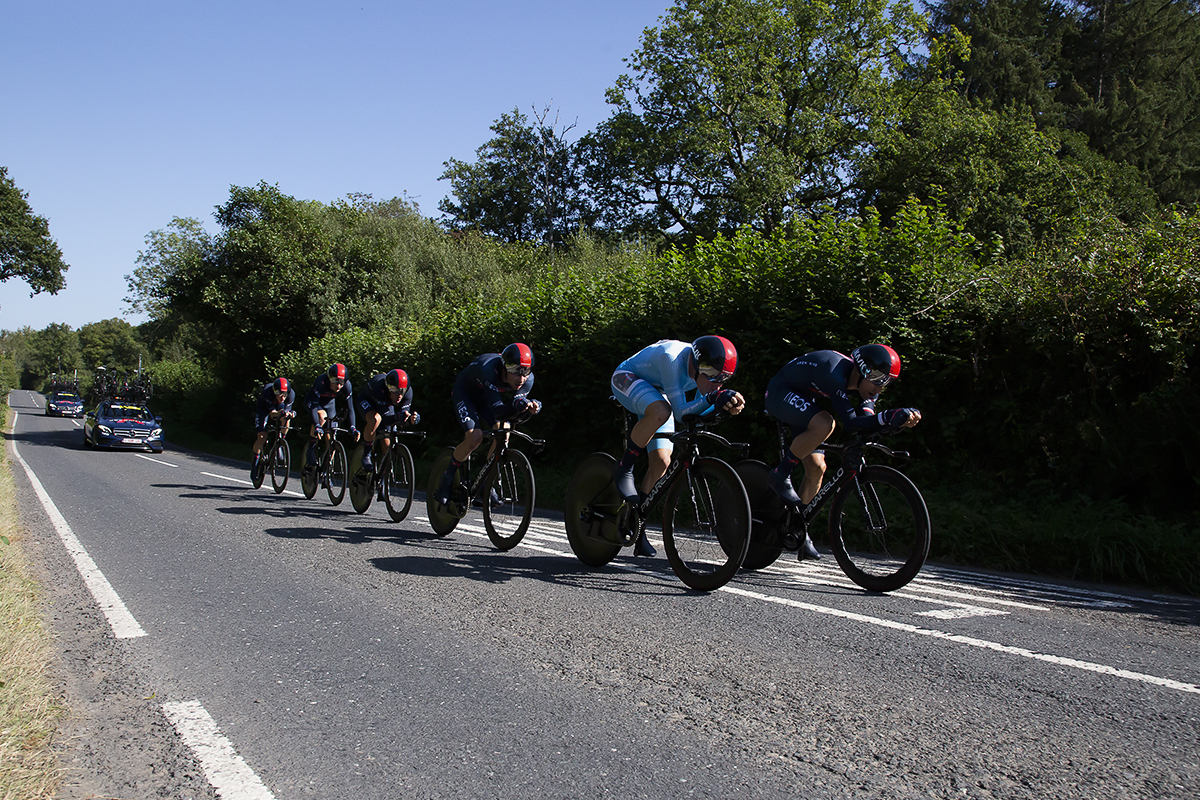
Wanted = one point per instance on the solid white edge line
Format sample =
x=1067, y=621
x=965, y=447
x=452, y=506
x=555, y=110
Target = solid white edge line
x=228, y=772
x=123, y=623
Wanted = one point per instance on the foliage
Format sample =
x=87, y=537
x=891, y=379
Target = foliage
x=745, y=112
x=26, y=249
x=525, y=185
x=111, y=343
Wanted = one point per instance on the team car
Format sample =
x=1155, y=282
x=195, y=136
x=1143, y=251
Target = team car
x=64, y=404
x=124, y=425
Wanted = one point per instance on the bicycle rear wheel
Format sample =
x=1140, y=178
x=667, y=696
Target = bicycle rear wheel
x=362, y=485
x=260, y=468
x=591, y=510
x=281, y=466
x=706, y=524
x=309, y=476
x=443, y=518
x=400, y=476
x=879, y=529
x=339, y=474
x=767, y=512
x=508, y=500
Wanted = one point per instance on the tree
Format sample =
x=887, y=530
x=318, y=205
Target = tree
x=26, y=249
x=111, y=343
x=745, y=112
x=52, y=350
x=524, y=185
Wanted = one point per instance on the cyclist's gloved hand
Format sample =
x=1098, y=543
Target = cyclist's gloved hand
x=718, y=398
x=520, y=403
x=414, y=418
x=354, y=432
x=896, y=417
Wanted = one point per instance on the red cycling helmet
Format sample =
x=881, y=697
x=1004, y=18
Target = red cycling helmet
x=281, y=386
x=518, y=358
x=716, y=358
x=397, y=380
x=878, y=363
x=337, y=372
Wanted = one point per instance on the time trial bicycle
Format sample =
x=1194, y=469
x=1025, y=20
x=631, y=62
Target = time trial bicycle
x=275, y=458
x=706, y=518
x=393, y=477
x=503, y=484
x=879, y=527
x=331, y=470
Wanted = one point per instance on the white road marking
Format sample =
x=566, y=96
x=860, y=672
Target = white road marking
x=123, y=623
x=246, y=482
x=156, y=461
x=228, y=772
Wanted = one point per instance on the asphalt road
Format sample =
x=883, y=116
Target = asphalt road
x=285, y=648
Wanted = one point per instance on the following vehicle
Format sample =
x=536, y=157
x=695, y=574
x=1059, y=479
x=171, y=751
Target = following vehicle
x=121, y=425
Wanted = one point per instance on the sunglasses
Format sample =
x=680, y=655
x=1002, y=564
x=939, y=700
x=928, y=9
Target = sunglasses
x=878, y=378
x=519, y=369
x=715, y=375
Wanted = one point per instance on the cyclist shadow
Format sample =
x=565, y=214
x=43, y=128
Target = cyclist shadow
x=489, y=566
x=348, y=535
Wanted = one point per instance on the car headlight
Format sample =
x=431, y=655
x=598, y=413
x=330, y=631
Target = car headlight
x=104, y=429
x=154, y=434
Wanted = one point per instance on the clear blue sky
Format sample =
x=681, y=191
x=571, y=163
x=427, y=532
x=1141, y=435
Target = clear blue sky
x=116, y=117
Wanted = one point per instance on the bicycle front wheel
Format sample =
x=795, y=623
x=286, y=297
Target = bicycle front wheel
x=339, y=474
x=768, y=515
x=590, y=511
x=508, y=500
x=706, y=524
x=879, y=529
x=441, y=518
x=281, y=466
x=309, y=478
x=401, y=477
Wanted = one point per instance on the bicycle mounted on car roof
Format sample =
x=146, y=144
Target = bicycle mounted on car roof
x=706, y=513
x=504, y=484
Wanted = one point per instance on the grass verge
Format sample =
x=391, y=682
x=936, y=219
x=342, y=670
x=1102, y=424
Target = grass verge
x=29, y=710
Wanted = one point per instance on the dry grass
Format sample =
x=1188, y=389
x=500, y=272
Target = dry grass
x=29, y=711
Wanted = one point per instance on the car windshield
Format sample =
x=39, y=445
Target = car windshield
x=66, y=398
x=130, y=412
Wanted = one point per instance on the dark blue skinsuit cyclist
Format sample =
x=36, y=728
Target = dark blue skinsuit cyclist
x=321, y=402
x=493, y=388
x=385, y=400
x=275, y=400
x=807, y=395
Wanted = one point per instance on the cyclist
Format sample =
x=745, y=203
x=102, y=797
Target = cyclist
x=274, y=402
x=321, y=402
x=493, y=388
x=814, y=389
x=386, y=399
x=653, y=383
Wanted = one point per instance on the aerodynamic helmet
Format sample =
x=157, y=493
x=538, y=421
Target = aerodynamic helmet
x=518, y=358
x=397, y=380
x=716, y=358
x=280, y=386
x=337, y=372
x=878, y=363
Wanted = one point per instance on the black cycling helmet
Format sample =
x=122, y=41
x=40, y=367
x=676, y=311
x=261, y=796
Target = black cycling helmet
x=716, y=358
x=280, y=386
x=336, y=372
x=518, y=358
x=397, y=380
x=878, y=363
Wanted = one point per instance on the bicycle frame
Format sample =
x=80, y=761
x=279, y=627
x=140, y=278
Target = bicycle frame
x=501, y=437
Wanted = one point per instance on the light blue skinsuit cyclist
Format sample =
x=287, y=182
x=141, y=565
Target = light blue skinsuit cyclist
x=654, y=384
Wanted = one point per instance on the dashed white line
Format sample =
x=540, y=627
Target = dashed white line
x=156, y=461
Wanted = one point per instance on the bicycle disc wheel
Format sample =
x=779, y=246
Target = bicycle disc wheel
x=508, y=500
x=339, y=474
x=590, y=511
x=281, y=466
x=442, y=518
x=706, y=524
x=879, y=529
x=260, y=469
x=400, y=477
x=362, y=487
x=767, y=512
x=309, y=479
